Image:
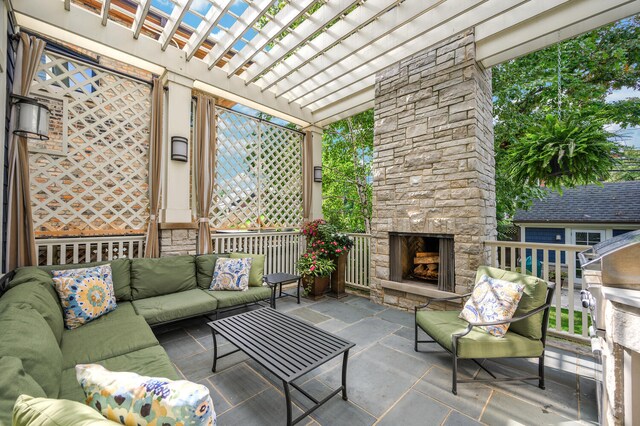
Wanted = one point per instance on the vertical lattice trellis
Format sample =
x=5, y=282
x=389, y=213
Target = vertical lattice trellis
x=101, y=182
x=258, y=174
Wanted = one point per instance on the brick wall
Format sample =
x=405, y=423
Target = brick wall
x=433, y=162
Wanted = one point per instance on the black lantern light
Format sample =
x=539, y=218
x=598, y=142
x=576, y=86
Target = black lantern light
x=179, y=148
x=32, y=118
x=317, y=173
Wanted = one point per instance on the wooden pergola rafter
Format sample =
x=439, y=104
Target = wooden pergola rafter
x=316, y=60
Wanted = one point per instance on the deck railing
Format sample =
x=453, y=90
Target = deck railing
x=551, y=262
x=61, y=251
x=358, y=261
x=281, y=249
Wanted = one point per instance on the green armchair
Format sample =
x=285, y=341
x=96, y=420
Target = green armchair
x=526, y=337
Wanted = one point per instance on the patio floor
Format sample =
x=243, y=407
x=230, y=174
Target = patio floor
x=388, y=383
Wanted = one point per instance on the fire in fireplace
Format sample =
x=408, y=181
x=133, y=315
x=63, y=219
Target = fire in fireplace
x=425, y=258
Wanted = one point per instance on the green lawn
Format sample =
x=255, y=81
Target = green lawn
x=564, y=324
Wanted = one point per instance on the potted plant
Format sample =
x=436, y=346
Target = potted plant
x=315, y=270
x=563, y=152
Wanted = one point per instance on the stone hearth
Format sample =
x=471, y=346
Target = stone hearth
x=433, y=163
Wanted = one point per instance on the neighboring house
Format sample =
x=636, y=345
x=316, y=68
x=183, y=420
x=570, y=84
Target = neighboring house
x=584, y=215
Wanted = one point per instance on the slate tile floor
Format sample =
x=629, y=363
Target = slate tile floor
x=388, y=382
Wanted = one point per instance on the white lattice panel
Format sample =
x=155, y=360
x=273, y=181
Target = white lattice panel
x=258, y=174
x=101, y=182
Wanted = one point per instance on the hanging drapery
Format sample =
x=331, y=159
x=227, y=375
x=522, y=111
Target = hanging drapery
x=307, y=174
x=204, y=166
x=21, y=244
x=152, y=242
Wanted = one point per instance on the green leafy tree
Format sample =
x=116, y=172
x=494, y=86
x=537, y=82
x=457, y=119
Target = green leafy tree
x=347, y=153
x=573, y=78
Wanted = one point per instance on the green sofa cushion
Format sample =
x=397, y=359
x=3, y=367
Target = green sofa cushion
x=14, y=381
x=123, y=312
x=30, y=411
x=533, y=296
x=96, y=341
x=257, y=267
x=120, y=270
x=477, y=344
x=26, y=335
x=166, y=275
x=42, y=297
x=152, y=361
x=174, y=306
x=233, y=298
x=204, y=267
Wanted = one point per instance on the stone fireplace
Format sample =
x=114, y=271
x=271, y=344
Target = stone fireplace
x=433, y=174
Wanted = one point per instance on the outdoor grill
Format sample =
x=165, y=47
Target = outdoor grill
x=611, y=274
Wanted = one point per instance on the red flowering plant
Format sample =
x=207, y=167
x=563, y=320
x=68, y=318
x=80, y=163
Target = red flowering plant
x=314, y=264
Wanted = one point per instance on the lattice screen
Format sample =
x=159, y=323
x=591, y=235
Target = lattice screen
x=258, y=174
x=101, y=181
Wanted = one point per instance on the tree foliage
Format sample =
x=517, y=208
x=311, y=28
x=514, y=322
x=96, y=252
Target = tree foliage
x=347, y=152
x=526, y=90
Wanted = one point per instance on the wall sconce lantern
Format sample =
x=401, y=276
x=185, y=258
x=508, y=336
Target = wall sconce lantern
x=32, y=119
x=179, y=148
x=317, y=173
x=558, y=237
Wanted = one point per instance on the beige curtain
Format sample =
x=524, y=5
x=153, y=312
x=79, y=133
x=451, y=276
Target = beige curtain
x=204, y=166
x=152, y=242
x=307, y=174
x=21, y=244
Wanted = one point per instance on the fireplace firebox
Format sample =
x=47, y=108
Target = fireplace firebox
x=422, y=258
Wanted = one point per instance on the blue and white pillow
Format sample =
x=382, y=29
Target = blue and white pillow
x=231, y=274
x=85, y=294
x=493, y=300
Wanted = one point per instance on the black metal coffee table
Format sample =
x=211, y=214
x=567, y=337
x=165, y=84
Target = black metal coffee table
x=286, y=346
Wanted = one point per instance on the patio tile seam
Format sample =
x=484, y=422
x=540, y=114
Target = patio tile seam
x=486, y=404
x=396, y=350
x=349, y=400
x=219, y=392
x=549, y=408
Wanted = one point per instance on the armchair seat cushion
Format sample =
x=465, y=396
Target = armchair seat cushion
x=441, y=325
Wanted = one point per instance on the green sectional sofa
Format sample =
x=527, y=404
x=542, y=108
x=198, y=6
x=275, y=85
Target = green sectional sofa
x=38, y=355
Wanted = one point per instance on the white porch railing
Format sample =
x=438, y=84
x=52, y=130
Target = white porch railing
x=358, y=261
x=555, y=261
x=281, y=249
x=61, y=251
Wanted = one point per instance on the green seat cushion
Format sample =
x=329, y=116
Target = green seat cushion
x=96, y=341
x=175, y=306
x=155, y=277
x=257, y=267
x=26, y=335
x=120, y=273
x=123, y=312
x=41, y=296
x=152, y=361
x=30, y=411
x=477, y=344
x=533, y=296
x=14, y=381
x=205, y=263
x=228, y=298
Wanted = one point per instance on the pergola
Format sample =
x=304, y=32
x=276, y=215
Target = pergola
x=314, y=61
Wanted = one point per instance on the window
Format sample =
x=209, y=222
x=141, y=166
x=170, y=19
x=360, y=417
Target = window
x=585, y=238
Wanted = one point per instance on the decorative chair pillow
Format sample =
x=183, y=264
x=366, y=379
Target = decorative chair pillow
x=231, y=274
x=131, y=399
x=492, y=300
x=85, y=293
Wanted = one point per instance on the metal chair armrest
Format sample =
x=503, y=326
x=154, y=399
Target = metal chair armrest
x=442, y=299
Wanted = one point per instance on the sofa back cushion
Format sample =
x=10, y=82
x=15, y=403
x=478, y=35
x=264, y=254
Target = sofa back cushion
x=257, y=267
x=155, y=277
x=205, y=264
x=14, y=381
x=26, y=335
x=36, y=289
x=120, y=273
x=533, y=296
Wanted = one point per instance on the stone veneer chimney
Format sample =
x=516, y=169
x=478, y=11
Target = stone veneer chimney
x=433, y=163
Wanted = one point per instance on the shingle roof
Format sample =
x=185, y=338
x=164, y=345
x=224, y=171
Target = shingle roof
x=617, y=202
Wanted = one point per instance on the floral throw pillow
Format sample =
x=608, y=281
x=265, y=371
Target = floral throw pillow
x=492, y=300
x=231, y=274
x=131, y=399
x=85, y=294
